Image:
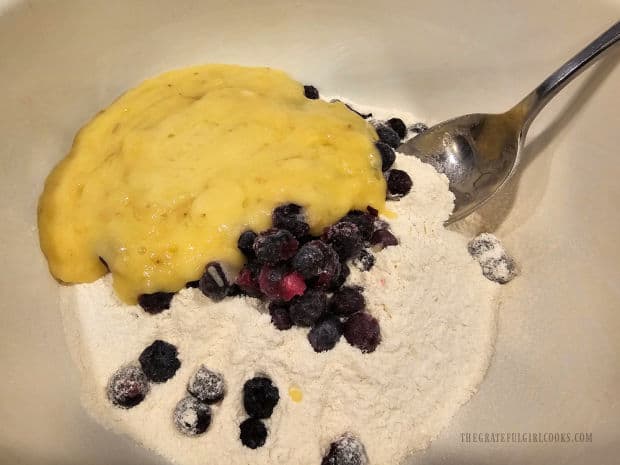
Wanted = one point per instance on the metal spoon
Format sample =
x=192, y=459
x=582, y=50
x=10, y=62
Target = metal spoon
x=479, y=152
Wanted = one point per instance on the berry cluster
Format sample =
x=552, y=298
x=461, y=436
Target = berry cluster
x=129, y=385
x=260, y=396
x=302, y=277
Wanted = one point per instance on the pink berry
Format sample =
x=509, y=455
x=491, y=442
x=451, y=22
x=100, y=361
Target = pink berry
x=291, y=285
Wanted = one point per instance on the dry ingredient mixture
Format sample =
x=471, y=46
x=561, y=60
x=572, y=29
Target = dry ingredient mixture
x=364, y=371
x=437, y=316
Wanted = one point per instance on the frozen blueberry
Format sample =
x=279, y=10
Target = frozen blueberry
x=159, y=361
x=280, y=316
x=308, y=308
x=387, y=155
x=128, y=386
x=383, y=238
x=364, y=261
x=276, y=283
x=346, y=450
x=364, y=221
x=311, y=92
x=269, y=280
x=325, y=334
x=192, y=284
x=318, y=262
x=501, y=270
x=341, y=278
x=214, y=283
x=388, y=135
x=156, y=302
x=260, y=396
x=483, y=244
x=399, y=126
x=345, y=238
x=206, y=385
x=347, y=300
x=275, y=246
x=191, y=416
x=245, y=243
x=362, y=331
x=291, y=218
x=418, y=128
x=330, y=272
x=495, y=262
x=310, y=259
x=253, y=433
x=247, y=280
x=398, y=183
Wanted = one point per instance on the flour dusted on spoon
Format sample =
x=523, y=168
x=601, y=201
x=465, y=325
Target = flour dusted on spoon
x=437, y=316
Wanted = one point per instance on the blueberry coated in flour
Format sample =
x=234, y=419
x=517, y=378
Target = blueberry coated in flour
x=346, y=450
x=501, y=270
x=206, y=385
x=364, y=221
x=310, y=259
x=345, y=238
x=159, y=361
x=191, y=416
x=316, y=259
x=127, y=387
x=275, y=246
x=305, y=310
x=290, y=217
x=364, y=261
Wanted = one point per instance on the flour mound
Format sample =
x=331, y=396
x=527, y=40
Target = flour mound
x=437, y=315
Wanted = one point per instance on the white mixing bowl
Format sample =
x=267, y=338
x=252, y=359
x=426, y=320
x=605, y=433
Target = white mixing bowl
x=556, y=368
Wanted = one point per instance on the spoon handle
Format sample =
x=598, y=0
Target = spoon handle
x=531, y=105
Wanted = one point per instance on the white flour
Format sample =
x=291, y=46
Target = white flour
x=437, y=316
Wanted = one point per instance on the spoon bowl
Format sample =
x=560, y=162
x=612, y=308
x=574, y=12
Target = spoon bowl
x=479, y=152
